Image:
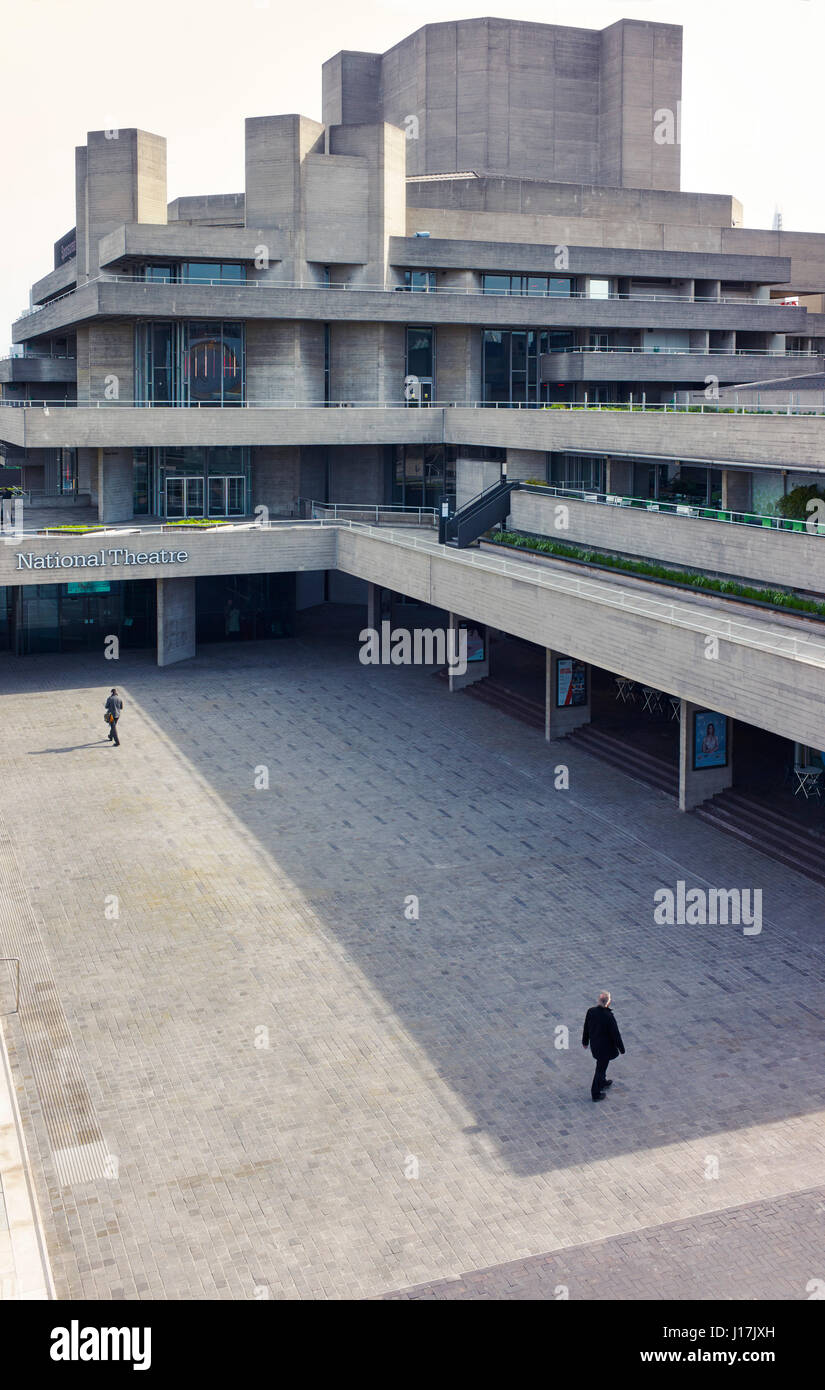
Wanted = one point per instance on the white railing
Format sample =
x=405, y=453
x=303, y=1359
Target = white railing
x=111, y=278
x=640, y=406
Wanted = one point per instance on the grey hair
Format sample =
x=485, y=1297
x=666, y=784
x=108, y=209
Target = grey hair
x=604, y=997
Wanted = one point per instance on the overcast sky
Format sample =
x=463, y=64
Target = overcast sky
x=752, y=121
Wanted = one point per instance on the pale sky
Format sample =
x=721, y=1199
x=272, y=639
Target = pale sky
x=752, y=122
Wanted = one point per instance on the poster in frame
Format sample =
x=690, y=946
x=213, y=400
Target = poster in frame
x=571, y=683
x=710, y=740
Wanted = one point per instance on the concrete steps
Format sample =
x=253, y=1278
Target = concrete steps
x=634, y=762
x=769, y=831
x=492, y=692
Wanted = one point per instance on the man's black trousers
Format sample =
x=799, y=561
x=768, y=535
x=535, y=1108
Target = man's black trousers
x=600, y=1075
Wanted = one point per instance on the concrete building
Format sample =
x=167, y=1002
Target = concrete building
x=480, y=264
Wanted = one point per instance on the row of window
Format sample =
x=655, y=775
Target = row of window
x=193, y=273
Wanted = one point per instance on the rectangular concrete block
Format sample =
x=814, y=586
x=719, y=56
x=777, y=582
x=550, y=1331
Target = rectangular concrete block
x=176, y=611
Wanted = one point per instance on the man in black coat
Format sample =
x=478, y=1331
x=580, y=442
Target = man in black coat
x=601, y=1031
x=113, y=708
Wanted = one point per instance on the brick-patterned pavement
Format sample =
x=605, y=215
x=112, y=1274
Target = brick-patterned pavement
x=288, y=1086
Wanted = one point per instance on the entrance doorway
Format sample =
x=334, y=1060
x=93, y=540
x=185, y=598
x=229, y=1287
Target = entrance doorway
x=184, y=497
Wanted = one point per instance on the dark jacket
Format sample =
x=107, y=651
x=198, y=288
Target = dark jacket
x=113, y=705
x=602, y=1032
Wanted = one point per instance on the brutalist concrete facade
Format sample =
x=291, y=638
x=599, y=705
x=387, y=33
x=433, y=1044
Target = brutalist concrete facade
x=484, y=192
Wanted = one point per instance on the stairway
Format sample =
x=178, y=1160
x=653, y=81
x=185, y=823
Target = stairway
x=477, y=516
x=492, y=692
x=632, y=761
x=757, y=824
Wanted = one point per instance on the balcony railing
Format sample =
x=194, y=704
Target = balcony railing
x=384, y=287
x=690, y=352
x=695, y=511
x=640, y=407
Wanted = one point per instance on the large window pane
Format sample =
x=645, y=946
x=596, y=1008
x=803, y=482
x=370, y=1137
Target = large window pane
x=420, y=352
x=560, y=287
x=496, y=365
x=495, y=284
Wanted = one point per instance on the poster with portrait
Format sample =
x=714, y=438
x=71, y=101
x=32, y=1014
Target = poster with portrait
x=710, y=740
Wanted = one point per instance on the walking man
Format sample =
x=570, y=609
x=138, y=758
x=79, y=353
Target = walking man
x=601, y=1031
x=113, y=707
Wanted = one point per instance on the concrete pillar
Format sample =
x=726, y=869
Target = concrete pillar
x=176, y=620
x=476, y=670
x=619, y=477
x=115, y=485
x=737, y=490
x=700, y=784
x=560, y=720
x=372, y=607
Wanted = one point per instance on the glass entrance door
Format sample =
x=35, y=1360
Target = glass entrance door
x=184, y=497
x=226, y=495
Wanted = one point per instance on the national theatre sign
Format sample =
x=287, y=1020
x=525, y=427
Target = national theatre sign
x=117, y=555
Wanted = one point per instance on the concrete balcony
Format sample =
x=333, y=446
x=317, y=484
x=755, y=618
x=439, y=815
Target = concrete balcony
x=692, y=368
x=181, y=241
x=790, y=559
x=37, y=370
x=116, y=297
x=111, y=425
x=651, y=634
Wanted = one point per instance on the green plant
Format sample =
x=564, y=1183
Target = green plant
x=794, y=505
x=778, y=598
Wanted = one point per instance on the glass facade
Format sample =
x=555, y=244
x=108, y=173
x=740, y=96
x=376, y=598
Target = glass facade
x=510, y=374
x=577, y=471
x=197, y=482
x=77, y=617
x=189, y=363
x=244, y=607
x=423, y=280
x=194, y=273
x=420, y=370
x=552, y=286
x=423, y=474
x=678, y=482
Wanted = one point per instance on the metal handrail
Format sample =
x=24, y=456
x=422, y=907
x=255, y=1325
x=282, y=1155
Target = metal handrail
x=688, y=352
x=642, y=406
x=689, y=511
x=345, y=286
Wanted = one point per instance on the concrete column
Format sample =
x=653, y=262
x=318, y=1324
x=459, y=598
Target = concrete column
x=737, y=490
x=115, y=485
x=476, y=670
x=696, y=786
x=559, y=721
x=372, y=607
x=619, y=477
x=176, y=620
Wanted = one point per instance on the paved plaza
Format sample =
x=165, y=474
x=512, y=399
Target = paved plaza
x=304, y=1040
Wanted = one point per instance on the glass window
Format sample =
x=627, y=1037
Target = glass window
x=559, y=287
x=496, y=365
x=537, y=284
x=423, y=280
x=199, y=272
x=232, y=273
x=495, y=284
x=420, y=352
x=599, y=289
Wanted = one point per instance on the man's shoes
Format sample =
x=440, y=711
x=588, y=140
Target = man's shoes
x=607, y=1083
x=599, y=1097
